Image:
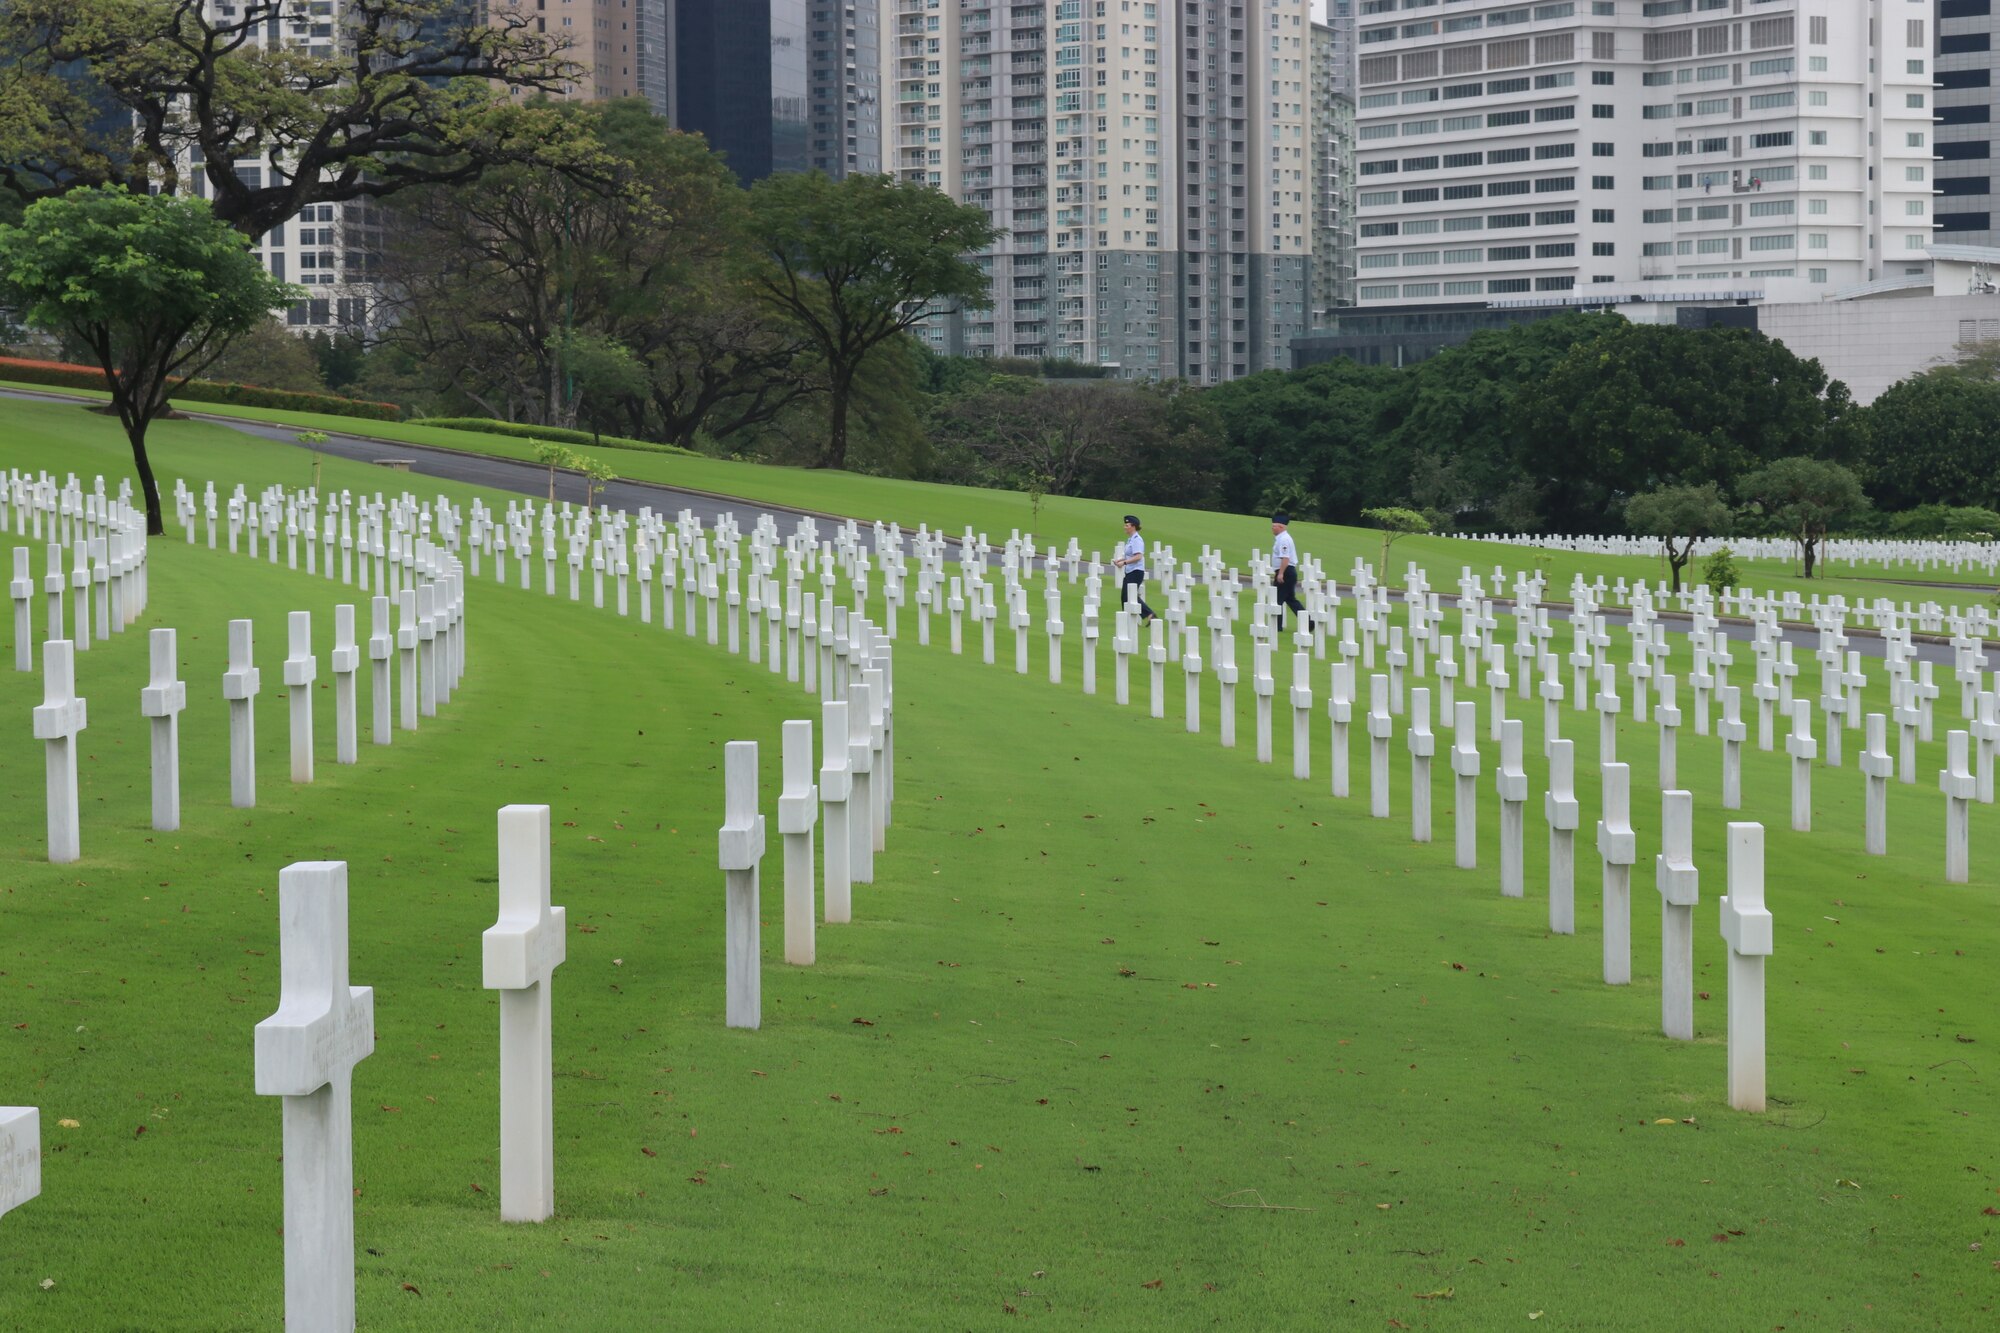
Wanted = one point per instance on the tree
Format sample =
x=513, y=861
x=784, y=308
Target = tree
x=153, y=285
x=1804, y=498
x=1935, y=439
x=270, y=358
x=1648, y=405
x=1679, y=516
x=595, y=471
x=856, y=262
x=1394, y=521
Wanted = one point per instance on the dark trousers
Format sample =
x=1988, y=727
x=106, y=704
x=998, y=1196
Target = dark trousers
x=1135, y=578
x=1287, y=584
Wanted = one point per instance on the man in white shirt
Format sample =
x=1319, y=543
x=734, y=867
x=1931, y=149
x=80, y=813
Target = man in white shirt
x=1285, y=569
x=1131, y=558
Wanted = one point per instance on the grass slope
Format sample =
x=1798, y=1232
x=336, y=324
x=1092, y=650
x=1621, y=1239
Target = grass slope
x=1095, y=523
x=1112, y=981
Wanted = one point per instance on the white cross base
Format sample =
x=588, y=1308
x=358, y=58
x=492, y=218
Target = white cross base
x=20, y=1156
x=519, y=954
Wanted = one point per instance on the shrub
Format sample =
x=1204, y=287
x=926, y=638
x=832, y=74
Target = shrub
x=1719, y=571
x=61, y=375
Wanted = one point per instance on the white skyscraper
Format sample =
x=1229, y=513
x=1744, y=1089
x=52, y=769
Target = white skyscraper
x=1587, y=149
x=1147, y=159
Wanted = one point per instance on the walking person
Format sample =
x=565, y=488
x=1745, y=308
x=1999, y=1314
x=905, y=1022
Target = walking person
x=1285, y=569
x=1131, y=559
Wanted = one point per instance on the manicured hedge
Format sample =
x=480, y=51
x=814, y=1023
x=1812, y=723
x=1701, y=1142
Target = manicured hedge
x=552, y=434
x=61, y=375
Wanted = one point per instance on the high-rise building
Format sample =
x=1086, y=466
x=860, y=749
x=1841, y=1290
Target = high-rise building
x=1333, y=161
x=740, y=80
x=1147, y=160
x=845, y=42
x=618, y=46
x=1587, y=149
x=1966, y=198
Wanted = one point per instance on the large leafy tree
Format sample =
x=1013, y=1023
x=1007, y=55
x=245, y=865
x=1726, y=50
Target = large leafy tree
x=1935, y=439
x=155, y=286
x=855, y=263
x=1651, y=405
x=1805, y=498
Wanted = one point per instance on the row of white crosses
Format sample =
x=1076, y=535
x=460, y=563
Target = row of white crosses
x=92, y=587
x=432, y=638
x=1960, y=557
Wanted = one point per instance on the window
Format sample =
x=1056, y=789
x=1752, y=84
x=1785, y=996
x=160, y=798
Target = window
x=1502, y=220
x=1603, y=248
x=1501, y=254
x=1502, y=285
x=1556, y=217
x=1600, y=111
x=1601, y=77
x=1653, y=249
x=1375, y=198
x=1914, y=101
x=1561, y=284
x=1547, y=113
x=1816, y=206
x=1914, y=139
x=1473, y=288
x=1815, y=275
x=1464, y=191
x=1559, y=250
x=1816, y=138
x=1657, y=215
x=1816, y=98
x=1913, y=208
x=1463, y=159
x=1771, y=208
x=1464, y=256
x=1776, y=139
x=1603, y=215
x=1555, y=184
x=1769, y=101
x=1547, y=151
x=1815, y=240
x=1603, y=183
x=1427, y=195
x=1603, y=150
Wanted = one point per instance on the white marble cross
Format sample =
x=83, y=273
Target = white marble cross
x=1803, y=750
x=1668, y=715
x=1380, y=728
x=1302, y=700
x=1225, y=690
x=1746, y=927
x=1511, y=781
x=381, y=643
x=1985, y=732
x=798, y=813
x=1560, y=808
x=22, y=591
x=1618, y=848
x=1876, y=766
x=241, y=684
x=861, y=794
x=519, y=954
x=343, y=660
x=20, y=1156
x=1422, y=742
x=740, y=851
x=1955, y=779
x=835, y=788
x=1263, y=688
x=1607, y=714
x=163, y=699
x=1465, y=764
x=1731, y=731
x=306, y=1053
x=60, y=718
x=52, y=586
x=406, y=655
x=1679, y=884
x=1156, y=659
x=427, y=649
x=301, y=668
x=1191, y=678
x=1340, y=714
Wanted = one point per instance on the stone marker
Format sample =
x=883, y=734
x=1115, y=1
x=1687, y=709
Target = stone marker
x=20, y=1156
x=240, y=686
x=22, y=591
x=300, y=669
x=835, y=788
x=1746, y=928
x=1225, y=692
x=427, y=653
x=861, y=794
x=1302, y=702
x=162, y=700
x=1379, y=730
x=1511, y=780
x=1955, y=779
x=1679, y=883
x=1263, y=688
x=1465, y=764
x=1191, y=676
x=798, y=813
x=1340, y=712
x=343, y=660
x=740, y=850
x=1876, y=766
x=1803, y=749
x=1985, y=732
x=1618, y=848
x=1607, y=715
x=381, y=641
x=1732, y=732
x=1156, y=658
x=1668, y=715
x=1560, y=808
x=52, y=587
x=519, y=955
x=1423, y=745
x=61, y=717
x=406, y=656
x=306, y=1053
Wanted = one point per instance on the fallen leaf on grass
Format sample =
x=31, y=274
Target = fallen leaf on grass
x=1441, y=1294
x=411, y=1288
x=1154, y=1285
x=78, y=1124
x=864, y=1022
x=1677, y=1242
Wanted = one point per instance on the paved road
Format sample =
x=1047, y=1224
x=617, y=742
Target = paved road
x=502, y=474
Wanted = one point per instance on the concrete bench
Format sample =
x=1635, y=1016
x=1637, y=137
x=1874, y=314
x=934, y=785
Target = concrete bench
x=399, y=464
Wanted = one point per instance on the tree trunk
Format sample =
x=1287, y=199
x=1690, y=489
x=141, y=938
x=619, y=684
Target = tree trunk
x=836, y=439
x=156, y=522
x=1808, y=545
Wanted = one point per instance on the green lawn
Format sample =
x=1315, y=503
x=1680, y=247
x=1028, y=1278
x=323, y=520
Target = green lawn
x=1096, y=523
x=1111, y=983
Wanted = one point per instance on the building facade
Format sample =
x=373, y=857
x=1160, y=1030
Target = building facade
x=846, y=51
x=1513, y=151
x=740, y=79
x=1147, y=160
x=1333, y=162
x=1966, y=199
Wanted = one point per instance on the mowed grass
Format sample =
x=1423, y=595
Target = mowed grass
x=1096, y=524
x=1113, y=983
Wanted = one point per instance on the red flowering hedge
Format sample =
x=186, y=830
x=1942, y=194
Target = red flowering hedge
x=60, y=375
